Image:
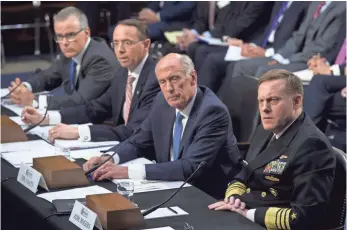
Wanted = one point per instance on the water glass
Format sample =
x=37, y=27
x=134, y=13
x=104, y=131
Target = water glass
x=126, y=189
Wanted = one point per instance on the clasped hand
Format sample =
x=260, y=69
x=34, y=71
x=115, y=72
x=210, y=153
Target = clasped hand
x=232, y=204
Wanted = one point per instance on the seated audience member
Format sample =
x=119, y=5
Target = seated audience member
x=288, y=179
x=186, y=126
x=127, y=102
x=86, y=67
x=286, y=17
x=244, y=20
x=160, y=15
x=317, y=34
x=329, y=83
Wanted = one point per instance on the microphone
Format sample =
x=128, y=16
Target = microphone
x=119, y=146
x=45, y=114
x=12, y=90
x=152, y=209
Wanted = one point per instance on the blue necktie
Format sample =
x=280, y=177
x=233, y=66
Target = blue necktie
x=72, y=74
x=275, y=22
x=177, y=135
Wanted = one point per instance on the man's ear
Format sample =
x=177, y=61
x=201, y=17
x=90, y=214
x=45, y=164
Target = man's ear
x=297, y=101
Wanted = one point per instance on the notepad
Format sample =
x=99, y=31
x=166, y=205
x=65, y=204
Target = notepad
x=75, y=193
x=37, y=145
x=165, y=212
x=234, y=54
x=305, y=75
x=172, y=36
x=212, y=41
x=77, y=144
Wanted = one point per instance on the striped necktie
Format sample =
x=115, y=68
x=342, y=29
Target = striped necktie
x=128, y=97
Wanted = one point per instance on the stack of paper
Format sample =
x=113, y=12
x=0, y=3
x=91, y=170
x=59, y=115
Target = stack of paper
x=305, y=75
x=4, y=92
x=172, y=36
x=234, y=54
x=26, y=157
x=76, y=193
x=87, y=153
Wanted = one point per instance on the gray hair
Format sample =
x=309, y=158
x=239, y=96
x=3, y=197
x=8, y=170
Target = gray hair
x=187, y=64
x=72, y=11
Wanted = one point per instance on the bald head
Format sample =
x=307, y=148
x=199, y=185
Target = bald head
x=177, y=79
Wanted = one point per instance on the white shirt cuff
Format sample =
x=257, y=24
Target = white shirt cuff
x=84, y=133
x=250, y=214
x=42, y=101
x=336, y=70
x=35, y=104
x=280, y=59
x=54, y=117
x=27, y=84
x=158, y=17
x=136, y=171
x=195, y=32
x=269, y=52
x=115, y=157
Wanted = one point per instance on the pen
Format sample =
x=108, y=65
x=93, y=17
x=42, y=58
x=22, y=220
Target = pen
x=172, y=210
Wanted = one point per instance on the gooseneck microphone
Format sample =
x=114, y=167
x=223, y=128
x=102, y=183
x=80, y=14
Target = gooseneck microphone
x=45, y=114
x=119, y=147
x=152, y=209
x=12, y=90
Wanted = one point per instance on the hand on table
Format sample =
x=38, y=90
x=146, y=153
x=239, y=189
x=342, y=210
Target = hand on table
x=232, y=204
x=63, y=131
x=31, y=116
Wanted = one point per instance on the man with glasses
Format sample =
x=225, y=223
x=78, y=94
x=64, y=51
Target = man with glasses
x=85, y=69
x=127, y=101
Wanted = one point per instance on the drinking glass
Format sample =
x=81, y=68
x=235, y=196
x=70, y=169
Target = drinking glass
x=126, y=189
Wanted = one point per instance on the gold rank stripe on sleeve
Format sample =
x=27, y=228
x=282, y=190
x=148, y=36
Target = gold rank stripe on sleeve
x=277, y=218
x=236, y=188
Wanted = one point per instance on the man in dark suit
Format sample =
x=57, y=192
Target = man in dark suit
x=289, y=176
x=86, y=67
x=127, y=102
x=317, y=34
x=243, y=20
x=187, y=125
x=162, y=14
x=286, y=17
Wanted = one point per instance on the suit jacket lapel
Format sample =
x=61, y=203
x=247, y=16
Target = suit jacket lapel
x=262, y=140
x=191, y=122
x=279, y=147
x=140, y=83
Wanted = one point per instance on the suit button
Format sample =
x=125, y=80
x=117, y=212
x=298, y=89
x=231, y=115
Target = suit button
x=263, y=194
x=248, y=190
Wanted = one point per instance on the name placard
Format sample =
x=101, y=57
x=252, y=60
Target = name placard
x=84, y=218
x=30, y=178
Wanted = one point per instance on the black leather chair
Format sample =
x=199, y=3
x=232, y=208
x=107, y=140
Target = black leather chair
x=336, y=213
x=240, y=96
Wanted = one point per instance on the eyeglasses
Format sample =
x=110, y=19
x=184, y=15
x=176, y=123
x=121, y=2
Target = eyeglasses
x=70, y=37
x=125, y=44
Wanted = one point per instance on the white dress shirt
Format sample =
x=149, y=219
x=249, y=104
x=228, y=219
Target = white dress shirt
x=42, y=104
x=138, y=171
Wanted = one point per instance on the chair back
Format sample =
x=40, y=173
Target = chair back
x=240, y=97
x=337, y=204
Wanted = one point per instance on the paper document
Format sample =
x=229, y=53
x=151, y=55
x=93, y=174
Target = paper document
x=37, y=145
x=212, y=41
x=142, y=161
x=18, y=120
x=4, y=92
x=172, y=36
x=165, y=212
x=152, y=185
x=234, y=54
x=75, y=193
x=14, y=108
x=87, y=153
x=77, y=144
x=26, y=157
x=305, y=75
